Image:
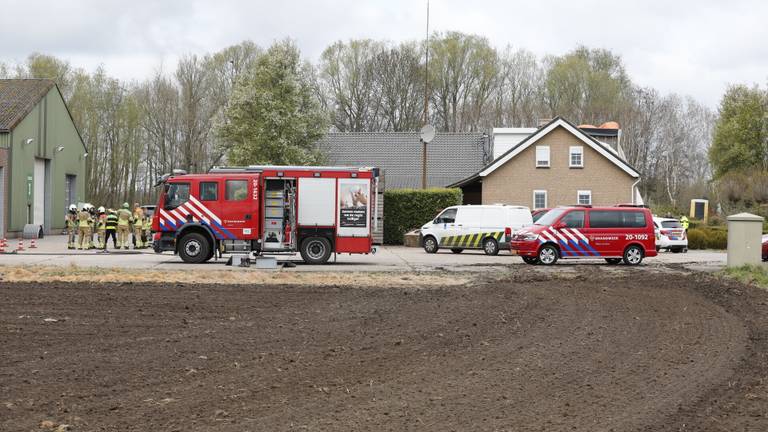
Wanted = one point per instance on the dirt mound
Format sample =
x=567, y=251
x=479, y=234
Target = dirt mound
x=597, y=351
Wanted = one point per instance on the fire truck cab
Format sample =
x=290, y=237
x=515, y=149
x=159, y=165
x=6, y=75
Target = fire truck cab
x=316, y=211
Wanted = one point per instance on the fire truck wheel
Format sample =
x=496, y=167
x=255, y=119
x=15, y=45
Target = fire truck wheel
x=457, y=250
x=548, y=255
x=315, y=250
x=430, y=244
x=633, y=255
x=194, y=248
x=490, y=246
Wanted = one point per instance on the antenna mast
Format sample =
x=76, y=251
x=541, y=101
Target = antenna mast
x=426, y=107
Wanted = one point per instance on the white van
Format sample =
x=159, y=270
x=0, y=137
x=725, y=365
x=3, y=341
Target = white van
x=485, y=227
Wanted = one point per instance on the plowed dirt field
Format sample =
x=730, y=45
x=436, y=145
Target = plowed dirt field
x=599, y=350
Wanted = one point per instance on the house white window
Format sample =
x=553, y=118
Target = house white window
x=584, y=197
x=576, y=157
x=542, y=156
x=539, y=199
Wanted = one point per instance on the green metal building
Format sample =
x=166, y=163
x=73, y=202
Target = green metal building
x=42, y=157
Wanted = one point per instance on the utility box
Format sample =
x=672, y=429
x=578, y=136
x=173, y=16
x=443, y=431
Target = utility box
x=745, y=233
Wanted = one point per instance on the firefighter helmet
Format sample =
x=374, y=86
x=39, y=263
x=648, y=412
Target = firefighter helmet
x=125, y=205
x=101, y=209
x=72, y=208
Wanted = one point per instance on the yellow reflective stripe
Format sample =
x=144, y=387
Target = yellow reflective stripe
x=499, y=235
x=476, y=239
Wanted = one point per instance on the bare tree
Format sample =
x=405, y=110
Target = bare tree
x=463, y=74
x=350, y=80
x=402, y=91
x=517, y=100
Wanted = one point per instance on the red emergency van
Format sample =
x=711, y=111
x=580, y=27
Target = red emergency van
x=316, y=211
x=613, y=233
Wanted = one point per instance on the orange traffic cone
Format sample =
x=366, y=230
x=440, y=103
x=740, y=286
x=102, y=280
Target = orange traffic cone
x=21, y=244
x=3, y=245
x=33, y=244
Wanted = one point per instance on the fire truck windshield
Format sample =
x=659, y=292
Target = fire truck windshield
x=176, y=194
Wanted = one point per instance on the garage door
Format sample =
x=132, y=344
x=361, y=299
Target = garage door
x=38, y=215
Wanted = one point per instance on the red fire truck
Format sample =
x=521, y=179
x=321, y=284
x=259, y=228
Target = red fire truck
x=316, y=211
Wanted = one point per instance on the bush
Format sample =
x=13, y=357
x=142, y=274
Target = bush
x=406, y=209
x=664, y=210
x=697, y=239
x=718, y=239
x=707, y=238
x=716, y=221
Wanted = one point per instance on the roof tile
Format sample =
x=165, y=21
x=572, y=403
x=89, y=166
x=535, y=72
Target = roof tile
x=18, y=97
x=450, y=156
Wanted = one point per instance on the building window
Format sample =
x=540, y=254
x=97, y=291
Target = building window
x=542, y=156
x=577, y=157
x=584, y=197
x=539, y=199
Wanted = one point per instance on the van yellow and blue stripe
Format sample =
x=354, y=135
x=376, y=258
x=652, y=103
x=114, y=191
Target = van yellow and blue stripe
x=473, y=240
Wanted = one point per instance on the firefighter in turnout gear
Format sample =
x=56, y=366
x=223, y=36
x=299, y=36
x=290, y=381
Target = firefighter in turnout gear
x=147, y=231
x=84, y=228
x=111, y=228
x=94, y=217
x=101, y=228
x=71, y=223
x=123, y=226
x=138, y=226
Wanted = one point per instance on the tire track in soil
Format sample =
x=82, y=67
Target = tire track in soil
x=628, y=352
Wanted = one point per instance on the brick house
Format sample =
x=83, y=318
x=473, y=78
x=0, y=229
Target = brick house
x=558, y=164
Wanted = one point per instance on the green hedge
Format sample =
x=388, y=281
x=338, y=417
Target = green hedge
x=406, y=209
x=707, y=238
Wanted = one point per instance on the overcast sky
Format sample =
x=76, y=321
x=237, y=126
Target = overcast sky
x=688, y=47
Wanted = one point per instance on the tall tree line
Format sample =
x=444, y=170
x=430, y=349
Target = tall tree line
x=739, y=152
x=245, y=104
x=473, y=86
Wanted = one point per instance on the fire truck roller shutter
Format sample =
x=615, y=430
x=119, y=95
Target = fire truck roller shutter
x=317, y=197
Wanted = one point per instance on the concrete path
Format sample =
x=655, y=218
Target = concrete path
x=52, y=251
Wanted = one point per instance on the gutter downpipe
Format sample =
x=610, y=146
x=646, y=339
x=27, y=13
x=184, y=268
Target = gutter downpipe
x=634, y=186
